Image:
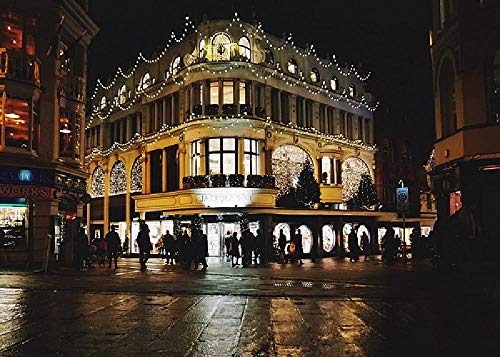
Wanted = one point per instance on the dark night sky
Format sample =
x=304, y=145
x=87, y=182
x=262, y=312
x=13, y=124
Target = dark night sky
x=388, y=37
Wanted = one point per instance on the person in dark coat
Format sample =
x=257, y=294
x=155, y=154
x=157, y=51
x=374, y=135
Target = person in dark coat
x=168, y=243
x=259, y=247
x=82, y=249
x=246, y=247
x=282, y=245
x=352, y=242
x=227, y=244
x=187, y=250
x=299, y=250
x=144, y=244
x=235, y=251
x=365, y=242
x=113, y=243
x=202, y=251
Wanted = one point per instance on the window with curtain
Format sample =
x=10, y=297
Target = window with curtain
x=227, y=92
x=16, y=122
x=214, y=92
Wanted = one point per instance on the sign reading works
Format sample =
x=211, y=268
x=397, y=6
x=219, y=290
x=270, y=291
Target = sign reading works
x=26, y=191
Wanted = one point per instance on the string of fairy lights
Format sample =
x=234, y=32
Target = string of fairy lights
x=235, y=21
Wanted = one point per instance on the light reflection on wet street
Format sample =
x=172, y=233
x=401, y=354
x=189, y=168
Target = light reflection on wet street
x=253, y=312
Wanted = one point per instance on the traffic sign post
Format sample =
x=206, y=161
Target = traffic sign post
x=402, y=203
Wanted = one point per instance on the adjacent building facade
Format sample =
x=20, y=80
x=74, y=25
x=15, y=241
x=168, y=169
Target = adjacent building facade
x=43, y=47
x=219, y=125
x=466, y=66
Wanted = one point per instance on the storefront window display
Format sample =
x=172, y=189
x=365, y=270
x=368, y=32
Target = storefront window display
x=14, y=223
x=328, y=234
x=156, y=230
x=307, y=238
x=346, y=230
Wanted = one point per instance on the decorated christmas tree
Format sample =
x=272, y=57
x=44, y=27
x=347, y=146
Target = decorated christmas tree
x=366, y=196
x=307, y=192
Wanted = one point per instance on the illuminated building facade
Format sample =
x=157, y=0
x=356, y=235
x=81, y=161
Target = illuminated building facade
x=465, y=166
x=217, y=126
x=43, y=46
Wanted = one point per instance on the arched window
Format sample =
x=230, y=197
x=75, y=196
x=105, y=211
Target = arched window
x=352, y=170
x=329, y=240
x=287, y=163
x=201, y=49
x=277, y=230
x=175, y=65
x=221, y=47
x=97, y=183
x=103, y=103
x=352, y=91
x=314, y=75
x=145, y=81
x=307, y=238
x=362, y=229
x=118, y=179
x=244, y=47
x=136, y=176
x=122, y=94
x=346, y=230
x=292, y=67
x=447, y=98
x=334, y=83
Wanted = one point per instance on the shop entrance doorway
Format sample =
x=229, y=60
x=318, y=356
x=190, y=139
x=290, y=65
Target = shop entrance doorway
x=215, y=235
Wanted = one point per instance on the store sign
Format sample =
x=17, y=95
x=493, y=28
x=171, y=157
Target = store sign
x=26, y=176
x=26, y=191
x=225, y=198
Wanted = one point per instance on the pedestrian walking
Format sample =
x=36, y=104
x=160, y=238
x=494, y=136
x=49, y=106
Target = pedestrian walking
x=125, y=246
x=144, y=244
x=187, y=250
x=282, y=245
x=168, y=242
x=365, y=242
x=246, y=248
x=102, y=251
x=202, y=251
x=235, y=250
x=352, y=242
x=113, y=244
x=259, y=247
x=227, y=244
x=299, y=250
x=82, y=252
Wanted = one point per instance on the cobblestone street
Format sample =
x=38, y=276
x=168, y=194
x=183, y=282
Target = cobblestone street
x=330, y=309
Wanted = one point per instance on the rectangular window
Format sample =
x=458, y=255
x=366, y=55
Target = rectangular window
x=14, y=222
x=98, y=134
x=275, y=112
x=159, y=111
x=17, y=123
x=360, y=128
x=330, y=119
x=322, y=119
x=175, y=114
x=168, y=110
x=285, y=107
x=214, y=93
x=251, y=156
x=195, y=157
x=342, y=124
x=309, y=114
x=222, y=156
x=152, y=119
x=300, y=111
x=349, y=126
x=35, y=139
x=326, y=170
x=243, y=93
x=227, y=92
x=66, y=135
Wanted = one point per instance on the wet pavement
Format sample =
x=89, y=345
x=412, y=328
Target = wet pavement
x=332, y=308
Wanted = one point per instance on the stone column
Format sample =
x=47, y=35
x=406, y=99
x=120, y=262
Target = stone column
x=241, y=166
x=164, y=171
x=106, y=199
x=202, y=169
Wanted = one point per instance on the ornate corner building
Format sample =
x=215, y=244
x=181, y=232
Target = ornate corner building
x=218, y=125
x=43, y=47
x=465, y=47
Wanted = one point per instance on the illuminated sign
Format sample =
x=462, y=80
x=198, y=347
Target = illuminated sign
x=225, y=197
x=26, y=176
x=26, y=191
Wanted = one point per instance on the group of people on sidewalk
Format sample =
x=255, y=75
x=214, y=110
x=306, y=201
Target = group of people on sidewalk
x=290, y=250
x=249, y=247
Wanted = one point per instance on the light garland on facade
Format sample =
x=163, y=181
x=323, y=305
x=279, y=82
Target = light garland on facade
x=118, y=179
x=352, y=170
x=97, y=183
x=265, y=125
x=234, y=21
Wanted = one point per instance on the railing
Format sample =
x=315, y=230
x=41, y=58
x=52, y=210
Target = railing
x=16, y=64
x=74, y=88
x=233, y=180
